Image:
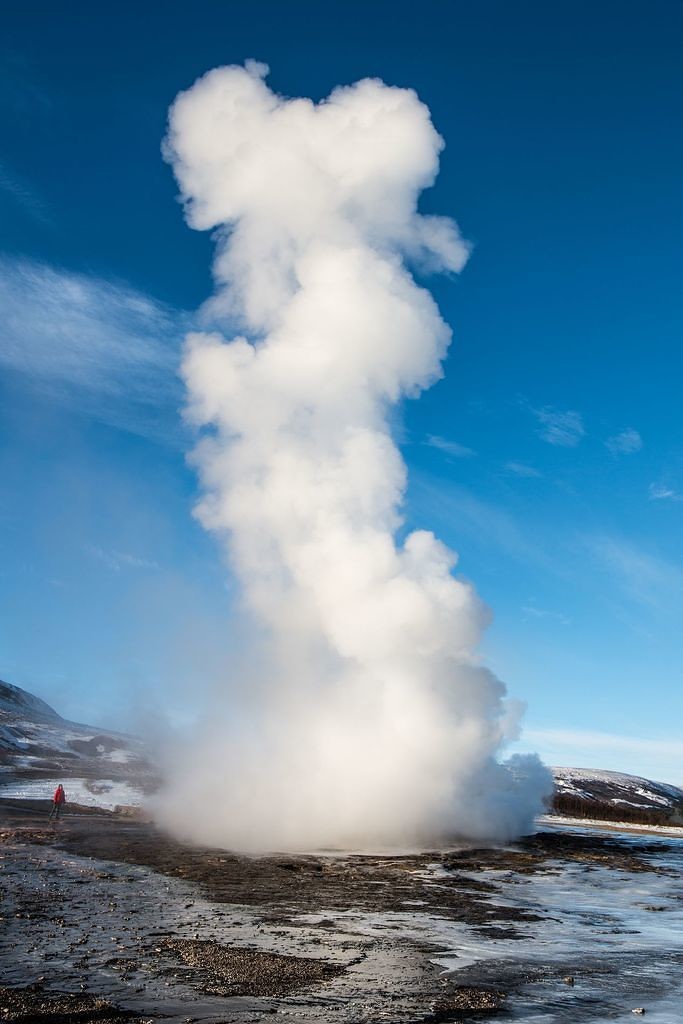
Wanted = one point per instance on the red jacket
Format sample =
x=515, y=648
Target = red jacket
x=60, y=796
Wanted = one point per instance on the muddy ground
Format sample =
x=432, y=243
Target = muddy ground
x=107, y=919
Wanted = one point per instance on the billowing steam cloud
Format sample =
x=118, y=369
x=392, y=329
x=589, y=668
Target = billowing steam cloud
x=371, y=721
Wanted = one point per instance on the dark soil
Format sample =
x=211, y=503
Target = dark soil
x=153, y=929
x=534, y=853
x=466, y=1000
x=33, y=1005
x=365, y=882
x=233, y=971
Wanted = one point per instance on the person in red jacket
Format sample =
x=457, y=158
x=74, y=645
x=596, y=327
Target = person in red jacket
x=58, y=801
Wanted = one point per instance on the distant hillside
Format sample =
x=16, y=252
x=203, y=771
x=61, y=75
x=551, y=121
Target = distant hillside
x=101, y=768
x=39, y=748
x=613, y=796
x=13, y=699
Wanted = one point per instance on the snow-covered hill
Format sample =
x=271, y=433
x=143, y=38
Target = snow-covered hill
x=588, y=792
x=39, y=748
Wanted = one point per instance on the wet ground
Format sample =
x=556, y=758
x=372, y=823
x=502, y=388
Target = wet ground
x=106, y=919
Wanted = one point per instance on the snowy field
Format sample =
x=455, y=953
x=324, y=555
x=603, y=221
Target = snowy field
x=555, y=820
x=105, y=793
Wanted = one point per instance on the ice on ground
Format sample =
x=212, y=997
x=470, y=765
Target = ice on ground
x=119, y=756
x=105, y=793
x=594, y=923
x=675, y=831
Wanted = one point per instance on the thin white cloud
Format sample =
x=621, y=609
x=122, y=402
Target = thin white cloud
x=532, y=611
x=641, y=575
x=23, y=92
x=22, y=193
x=626, y=442
x=521, y=469
x=660, y=492
x=453, y=448
x=101, y=348
x=483, y=522
x=563, y=428
x=659, y=758
x=118, y=560
x=590, y=738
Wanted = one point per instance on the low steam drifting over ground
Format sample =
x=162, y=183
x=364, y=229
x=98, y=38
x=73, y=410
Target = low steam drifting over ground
x=366, y=716
x=108, y=771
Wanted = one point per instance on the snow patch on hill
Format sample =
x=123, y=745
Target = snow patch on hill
x=105, y=793
x=579, y=789
x=38, y=749
x=14, y=699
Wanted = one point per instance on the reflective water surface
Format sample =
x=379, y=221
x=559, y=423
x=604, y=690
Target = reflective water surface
x=586, y=943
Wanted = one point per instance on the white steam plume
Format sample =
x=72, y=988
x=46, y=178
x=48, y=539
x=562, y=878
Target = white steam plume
x=372, y=721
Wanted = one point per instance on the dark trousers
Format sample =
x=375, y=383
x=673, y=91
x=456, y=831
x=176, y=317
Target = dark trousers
x=56, y=808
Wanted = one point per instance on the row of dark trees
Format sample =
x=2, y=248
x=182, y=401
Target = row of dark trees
x=576, y=807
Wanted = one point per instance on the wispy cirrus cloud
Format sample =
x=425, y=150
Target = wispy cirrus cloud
x=662, y=492
x=626, y=442
x=521, y=469
x=22, y=193
x=534, y=612
x=652, y=757
x=643, y=576
x=558, y=427
x=24, y=89
x=118, y=560
x=101, y=348
x=485, y=523
x=452, y=448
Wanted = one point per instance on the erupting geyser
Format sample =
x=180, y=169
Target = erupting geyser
x=372, y=721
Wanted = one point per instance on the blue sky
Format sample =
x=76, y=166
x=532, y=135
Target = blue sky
x=550, y=456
